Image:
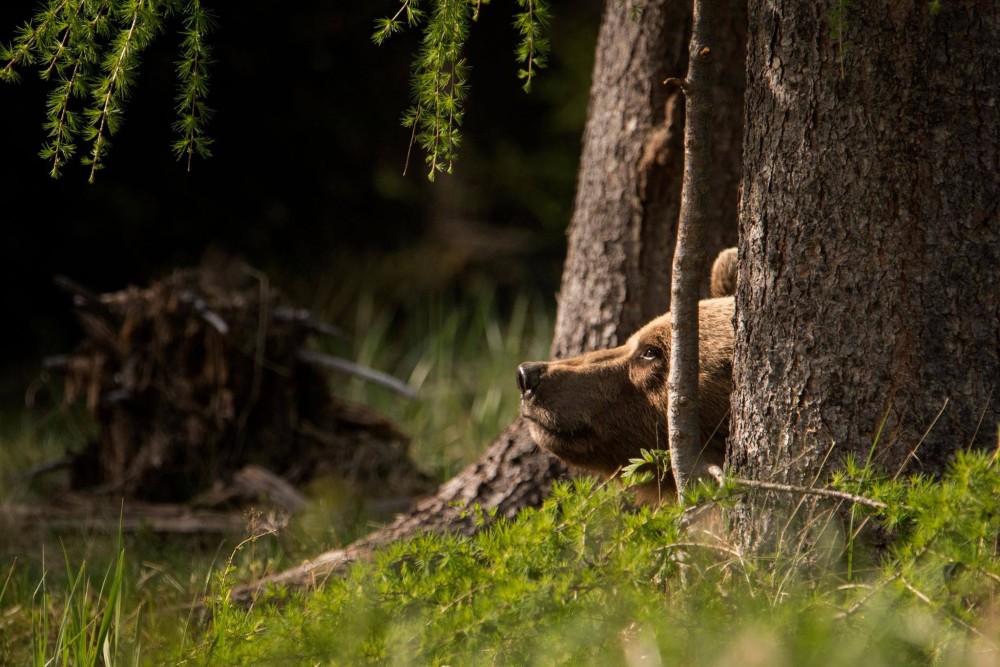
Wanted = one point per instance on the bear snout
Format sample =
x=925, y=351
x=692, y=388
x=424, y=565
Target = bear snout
x=529, y=374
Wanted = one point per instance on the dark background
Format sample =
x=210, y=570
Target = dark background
x=306, y=181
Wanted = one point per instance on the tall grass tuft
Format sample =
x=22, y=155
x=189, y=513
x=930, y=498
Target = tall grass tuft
x=88, y=622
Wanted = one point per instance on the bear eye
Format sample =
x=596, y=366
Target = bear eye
x=650, y=353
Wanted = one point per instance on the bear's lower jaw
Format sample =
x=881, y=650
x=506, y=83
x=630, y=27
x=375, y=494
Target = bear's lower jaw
x=540, y=426
x=564, y=444
x=542, y=420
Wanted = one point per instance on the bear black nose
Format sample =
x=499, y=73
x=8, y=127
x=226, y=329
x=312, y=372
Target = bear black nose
x=528, y=376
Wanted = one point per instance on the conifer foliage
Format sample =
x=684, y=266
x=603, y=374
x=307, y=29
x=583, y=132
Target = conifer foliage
x=89, y=51
x=441, y=72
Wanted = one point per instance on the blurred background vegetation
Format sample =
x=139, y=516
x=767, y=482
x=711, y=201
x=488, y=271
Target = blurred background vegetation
x=306, y=182
x=446, y=285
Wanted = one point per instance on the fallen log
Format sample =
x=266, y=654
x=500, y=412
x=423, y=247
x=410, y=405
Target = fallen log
x=332, y=363
x=254, y=484
x=129, y=518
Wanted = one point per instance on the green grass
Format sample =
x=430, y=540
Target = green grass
x=458, y=354
x=88, y=629
x=585, y=580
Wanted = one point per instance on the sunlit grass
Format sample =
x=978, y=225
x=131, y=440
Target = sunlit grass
x=585, y=580
x=460, y=359
x=89, y=627
x=458, y=354
x=588, y=580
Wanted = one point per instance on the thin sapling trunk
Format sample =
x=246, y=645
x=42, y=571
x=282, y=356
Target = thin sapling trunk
x=689, y=255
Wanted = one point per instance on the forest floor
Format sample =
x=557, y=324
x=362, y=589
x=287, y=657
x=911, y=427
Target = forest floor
x=458, y=356
x=585, y=580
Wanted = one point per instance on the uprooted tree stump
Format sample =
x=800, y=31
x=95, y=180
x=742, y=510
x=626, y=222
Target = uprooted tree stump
x=195, y=377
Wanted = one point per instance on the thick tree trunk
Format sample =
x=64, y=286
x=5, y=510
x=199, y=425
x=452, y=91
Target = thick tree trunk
x=620, y=246
x=869, y=288
x=621, y=238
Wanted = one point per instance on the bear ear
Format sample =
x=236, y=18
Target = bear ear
x=724, y=271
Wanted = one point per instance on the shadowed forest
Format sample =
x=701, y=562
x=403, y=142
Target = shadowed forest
x=306, y=182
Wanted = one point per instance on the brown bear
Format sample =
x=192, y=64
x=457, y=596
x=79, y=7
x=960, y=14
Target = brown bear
x=598, y=410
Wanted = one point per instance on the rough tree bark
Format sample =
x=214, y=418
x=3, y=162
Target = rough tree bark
x=620, y=243
x=869, y=285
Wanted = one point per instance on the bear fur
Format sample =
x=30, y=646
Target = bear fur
x=598, y=410
x=723, y=281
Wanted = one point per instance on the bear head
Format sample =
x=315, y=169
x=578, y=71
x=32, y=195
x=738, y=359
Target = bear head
x=600, y=409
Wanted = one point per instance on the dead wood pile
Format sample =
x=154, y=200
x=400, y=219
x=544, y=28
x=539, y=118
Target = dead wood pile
x=194, y=378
